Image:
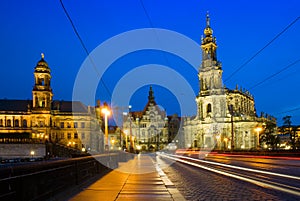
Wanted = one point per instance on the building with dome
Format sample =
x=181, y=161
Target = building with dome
x=226, y=118
x=44, y=120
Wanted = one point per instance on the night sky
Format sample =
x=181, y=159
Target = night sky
x=242, y=29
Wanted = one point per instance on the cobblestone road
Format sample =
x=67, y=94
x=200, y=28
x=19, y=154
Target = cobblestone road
x=197, y=184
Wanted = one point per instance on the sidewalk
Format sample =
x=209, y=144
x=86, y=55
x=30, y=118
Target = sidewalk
x=139, y=179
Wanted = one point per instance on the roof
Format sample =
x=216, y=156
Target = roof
x=22, y=106
x=69, y=106
x=15, y=105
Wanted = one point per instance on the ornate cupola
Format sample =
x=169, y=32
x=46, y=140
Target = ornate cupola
x=42, y=92
x=208, y=43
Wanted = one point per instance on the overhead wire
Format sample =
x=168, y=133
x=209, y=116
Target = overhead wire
x=274, y=74
x=84, y=47
x=258, y=52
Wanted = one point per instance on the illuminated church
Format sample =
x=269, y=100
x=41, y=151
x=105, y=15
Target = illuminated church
x=226, y=118
x=42, y=119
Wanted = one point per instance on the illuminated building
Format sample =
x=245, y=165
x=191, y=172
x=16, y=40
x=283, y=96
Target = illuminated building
x=43, y=120
x=226, y=118
x=148, y=130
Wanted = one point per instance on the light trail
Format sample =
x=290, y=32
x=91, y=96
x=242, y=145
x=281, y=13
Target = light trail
x=240, y=168
x=274, y=185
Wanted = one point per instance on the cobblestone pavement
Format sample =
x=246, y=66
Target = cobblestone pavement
x=198, y=184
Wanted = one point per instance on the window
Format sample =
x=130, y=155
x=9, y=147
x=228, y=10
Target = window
x=75, y=135
x=69, y=125
x=25, y=123
x=69, y=135
x=16, y=123
x=62, y=125
x=82, y=125
x=208, y=109
x=8, y=123
x=82, y=136
x=1, y=122
x=75, y=125
x=62, y=135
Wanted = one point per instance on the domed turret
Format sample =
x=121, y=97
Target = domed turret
x=42, y=65
x=42, y=92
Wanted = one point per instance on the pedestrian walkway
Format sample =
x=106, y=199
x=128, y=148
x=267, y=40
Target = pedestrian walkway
x=139, y=179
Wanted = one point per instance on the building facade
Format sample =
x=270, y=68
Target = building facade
x=150, y=129
x=44, y=120
x=226, y=118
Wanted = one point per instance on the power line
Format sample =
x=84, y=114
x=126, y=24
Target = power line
x=257, y=53
x=84, y=47
x=292, y=110
x=273, y=75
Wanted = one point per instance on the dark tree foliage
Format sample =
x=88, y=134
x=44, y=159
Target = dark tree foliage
x=291, y=130
x=269, y=137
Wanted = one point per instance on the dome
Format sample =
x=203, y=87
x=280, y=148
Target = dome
x=42, y=65
x=208, y=31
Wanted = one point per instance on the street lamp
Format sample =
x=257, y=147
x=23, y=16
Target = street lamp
x=32, y=154
x=257, y=129
x=106, y=113
x=130, y=131
x=230, y=107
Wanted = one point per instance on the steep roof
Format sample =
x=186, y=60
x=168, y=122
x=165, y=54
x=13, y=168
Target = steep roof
x=15, y=105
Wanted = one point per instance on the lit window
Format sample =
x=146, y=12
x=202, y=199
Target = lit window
x=8, y=124
x=16, y=123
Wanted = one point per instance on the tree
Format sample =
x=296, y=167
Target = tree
x=291, y=130
x=269, y=136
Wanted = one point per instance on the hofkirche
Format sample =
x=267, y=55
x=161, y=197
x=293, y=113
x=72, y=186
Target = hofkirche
x=226, y=118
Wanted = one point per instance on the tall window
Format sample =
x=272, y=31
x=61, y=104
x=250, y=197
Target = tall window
x=82, y=136
x=1, y=122
x=62, y=125
x=75, y=135
x=75, y=125
x=69, y=135
x=8, y=123
x=16, y=123
x=82, y=125
x=25, y=123
x=208, y=109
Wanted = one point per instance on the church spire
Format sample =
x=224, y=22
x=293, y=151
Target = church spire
x=208, y=44
x=151, y=96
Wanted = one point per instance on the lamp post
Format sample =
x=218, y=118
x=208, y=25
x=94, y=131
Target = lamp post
x=257, y=129
x=130, y=131
x=230, y=107
x=106, y=113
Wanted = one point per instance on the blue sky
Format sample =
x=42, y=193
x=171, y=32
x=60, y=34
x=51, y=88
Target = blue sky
x=242, y=28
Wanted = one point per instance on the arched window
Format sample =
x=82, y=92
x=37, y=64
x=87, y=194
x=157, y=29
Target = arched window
x=17, y=123
x=208, y=109
x=25, y=123
x=8, y=123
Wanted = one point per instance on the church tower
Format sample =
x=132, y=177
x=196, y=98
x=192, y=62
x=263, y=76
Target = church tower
x=42, y=92
x=211, y=99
